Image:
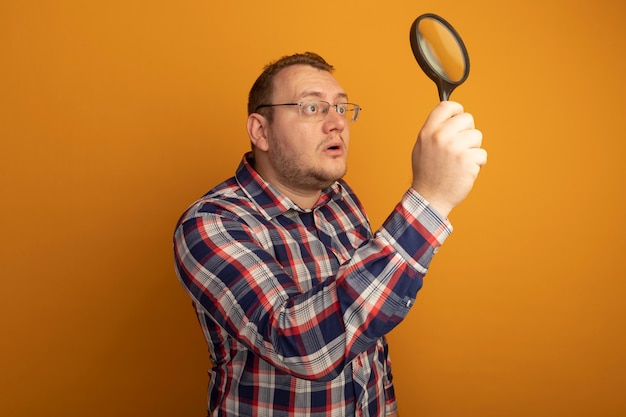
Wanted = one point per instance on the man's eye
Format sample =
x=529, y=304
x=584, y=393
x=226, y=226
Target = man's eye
x=310, y=108
x=342, y=109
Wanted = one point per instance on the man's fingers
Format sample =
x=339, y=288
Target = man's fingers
x=470, y=138
x=479, y=155
x=456, y=125
x=443, y=112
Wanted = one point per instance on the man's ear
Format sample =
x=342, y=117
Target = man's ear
x=257, y=126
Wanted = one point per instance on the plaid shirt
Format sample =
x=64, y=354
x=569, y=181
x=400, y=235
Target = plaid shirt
x=294, y=303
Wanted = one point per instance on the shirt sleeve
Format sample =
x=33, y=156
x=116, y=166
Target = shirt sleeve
x=312, y=334
x=386, y=273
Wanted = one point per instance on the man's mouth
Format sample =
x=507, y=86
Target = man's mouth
x=335, y=145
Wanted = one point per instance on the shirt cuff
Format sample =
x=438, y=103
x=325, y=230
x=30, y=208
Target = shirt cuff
x=416, y=230
x=428, y=215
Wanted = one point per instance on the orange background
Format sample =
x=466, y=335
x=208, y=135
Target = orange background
x=115, y=115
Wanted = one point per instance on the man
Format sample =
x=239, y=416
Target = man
x=293, y=291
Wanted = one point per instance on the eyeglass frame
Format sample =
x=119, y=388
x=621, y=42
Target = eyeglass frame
x=357, y=108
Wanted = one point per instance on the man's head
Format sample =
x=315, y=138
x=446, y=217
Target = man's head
x=298, y=125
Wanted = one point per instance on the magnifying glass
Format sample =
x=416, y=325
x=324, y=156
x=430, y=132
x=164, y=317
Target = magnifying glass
x=440, y=52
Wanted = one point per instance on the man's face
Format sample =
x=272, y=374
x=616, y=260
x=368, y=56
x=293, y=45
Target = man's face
x=304, y=154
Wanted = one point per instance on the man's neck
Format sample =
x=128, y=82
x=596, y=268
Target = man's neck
x=304, y=200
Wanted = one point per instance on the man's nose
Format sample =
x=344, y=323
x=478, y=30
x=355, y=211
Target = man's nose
x=334, y=120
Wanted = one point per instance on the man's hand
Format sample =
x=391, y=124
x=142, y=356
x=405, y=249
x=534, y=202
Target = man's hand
x=447, y=157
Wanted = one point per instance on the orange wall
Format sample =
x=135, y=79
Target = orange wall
x=115, y=115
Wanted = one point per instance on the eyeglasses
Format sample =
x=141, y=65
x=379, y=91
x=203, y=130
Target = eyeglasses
x=317, y=110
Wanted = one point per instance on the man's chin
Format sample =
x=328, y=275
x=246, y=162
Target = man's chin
x=329, y=180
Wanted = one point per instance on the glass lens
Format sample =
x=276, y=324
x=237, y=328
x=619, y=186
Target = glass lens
x=351, y=112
